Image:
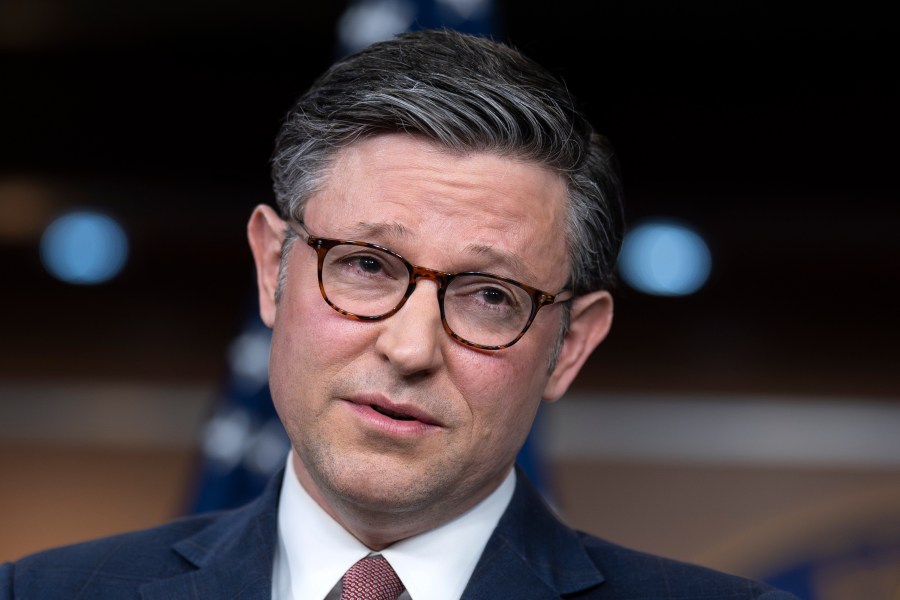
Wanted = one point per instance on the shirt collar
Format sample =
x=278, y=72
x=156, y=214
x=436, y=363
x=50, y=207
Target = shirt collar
x=314, y=551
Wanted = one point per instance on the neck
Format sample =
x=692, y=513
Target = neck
x=379, y=528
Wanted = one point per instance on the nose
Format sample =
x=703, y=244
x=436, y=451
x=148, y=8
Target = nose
x=411, y=339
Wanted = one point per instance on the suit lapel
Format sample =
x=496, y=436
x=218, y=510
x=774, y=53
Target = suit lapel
x=232, y=558
x=531, y=555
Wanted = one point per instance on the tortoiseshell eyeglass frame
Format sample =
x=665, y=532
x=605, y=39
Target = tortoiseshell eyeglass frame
x=539, y=298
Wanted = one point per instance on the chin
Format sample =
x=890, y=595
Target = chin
x=385, y=489
x=374, y=483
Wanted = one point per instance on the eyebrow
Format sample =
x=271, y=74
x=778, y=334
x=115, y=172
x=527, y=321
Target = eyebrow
x=503, y=258
x=363, y=230
x=388, y=232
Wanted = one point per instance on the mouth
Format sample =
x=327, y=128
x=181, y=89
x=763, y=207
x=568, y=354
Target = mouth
x=397, y=416
x=396, y=412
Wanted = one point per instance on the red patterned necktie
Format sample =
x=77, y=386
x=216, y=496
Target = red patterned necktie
x=372, y=578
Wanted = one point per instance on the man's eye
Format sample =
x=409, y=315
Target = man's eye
x=369, y=264
x=494, y=296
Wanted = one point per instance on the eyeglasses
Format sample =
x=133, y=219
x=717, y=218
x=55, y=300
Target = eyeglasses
x=368, y=282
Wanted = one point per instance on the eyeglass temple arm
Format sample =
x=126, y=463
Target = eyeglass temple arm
x=305, y=231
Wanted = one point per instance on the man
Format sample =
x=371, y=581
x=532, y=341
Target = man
x=440, y=264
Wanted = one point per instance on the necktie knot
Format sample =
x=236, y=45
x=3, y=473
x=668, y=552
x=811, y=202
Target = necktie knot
x=372, y=578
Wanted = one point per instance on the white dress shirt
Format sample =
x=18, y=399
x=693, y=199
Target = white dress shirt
x=314, y=551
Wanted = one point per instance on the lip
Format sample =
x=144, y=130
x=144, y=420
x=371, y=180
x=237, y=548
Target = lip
x=365, y=406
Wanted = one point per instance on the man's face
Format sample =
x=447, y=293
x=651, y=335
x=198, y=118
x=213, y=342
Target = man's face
x=331, y=377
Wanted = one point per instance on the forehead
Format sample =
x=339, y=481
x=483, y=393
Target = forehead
x=443, y=209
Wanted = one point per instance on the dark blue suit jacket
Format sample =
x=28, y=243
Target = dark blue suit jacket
x=531, y=555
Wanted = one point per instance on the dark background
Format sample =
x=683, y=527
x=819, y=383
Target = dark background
x=770, y=127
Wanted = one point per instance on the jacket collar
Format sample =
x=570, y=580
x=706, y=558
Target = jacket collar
x=531, y=554
x=233, y=556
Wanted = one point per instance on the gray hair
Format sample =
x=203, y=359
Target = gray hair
x=467, y=94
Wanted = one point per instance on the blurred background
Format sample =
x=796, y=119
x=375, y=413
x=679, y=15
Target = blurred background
x=745, y=411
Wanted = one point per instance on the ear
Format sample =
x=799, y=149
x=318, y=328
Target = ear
x=265, y=231
x=590, y=320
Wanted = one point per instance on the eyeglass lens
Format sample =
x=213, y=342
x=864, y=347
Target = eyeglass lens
x=369, y=283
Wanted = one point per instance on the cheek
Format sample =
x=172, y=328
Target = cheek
x=311, y=328
x=310, y=342
x=504, y=393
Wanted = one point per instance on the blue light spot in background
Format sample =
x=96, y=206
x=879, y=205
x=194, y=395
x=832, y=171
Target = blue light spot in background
x=664, y=259
x=84, y=248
